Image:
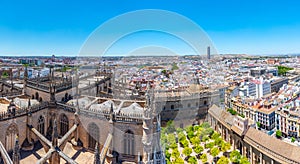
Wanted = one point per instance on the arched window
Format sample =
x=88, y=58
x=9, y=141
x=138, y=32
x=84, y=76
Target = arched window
x=64, y=124
x=205, y=102
x=32, y=97
x=93, y=132
x=10, y=137
x=41, y=125
x=172, y=107
x=41, y=99
x=129, y=142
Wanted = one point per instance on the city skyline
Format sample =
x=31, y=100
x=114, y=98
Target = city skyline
x=254, y=28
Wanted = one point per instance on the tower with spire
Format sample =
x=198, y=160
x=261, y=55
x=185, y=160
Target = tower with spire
x=147, y=129
x=28, y=144
x=11, y=80
x=25, y=80
x=55, y=158
x=151, y=130
x=52, y=87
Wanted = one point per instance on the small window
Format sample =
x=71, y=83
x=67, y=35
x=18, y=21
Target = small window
x=41, y=125
x=64, y=124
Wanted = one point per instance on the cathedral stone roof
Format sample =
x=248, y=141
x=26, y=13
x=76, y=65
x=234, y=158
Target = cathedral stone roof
x=134, y=108
x=222, y=115
x=105, y=106
x=272, y=144
x=83, y=102
x=23, y=103
x=4, y=103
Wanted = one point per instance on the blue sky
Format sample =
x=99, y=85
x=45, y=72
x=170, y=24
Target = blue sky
x=235, y=26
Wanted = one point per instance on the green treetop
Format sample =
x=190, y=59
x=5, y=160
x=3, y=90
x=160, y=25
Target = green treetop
x=244, y=160
x=203, y=158
x=235, y=156
x=214, y=151
x=198, y=149
x=192, y=160
x=187, y=151
x=223, y=160
x=225, y=146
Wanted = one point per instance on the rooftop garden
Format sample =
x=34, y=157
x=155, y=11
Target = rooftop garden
x=233, y=112
x=230, y=110
x=4, y=75
x=282, y=70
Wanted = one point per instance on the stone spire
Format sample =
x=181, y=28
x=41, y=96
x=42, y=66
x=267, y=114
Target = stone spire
x=52, y=93
x=52, y=73
x=97, y=154
x=54, y=134
x=11, y=80
x=29, y=103
x=25, y=80
x=147, y=127
x=25, y=73
x=27, y=143
x=39, y=74
x=158, y=153
x=18, y=73
x=62, y=76
x=16, y=152
x=149, y=95
x=76, y=82
x=52, y=87
x=111, y=114
x=55, y=158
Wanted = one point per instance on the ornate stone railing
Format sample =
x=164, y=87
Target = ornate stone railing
x=40, y=79
x=8, y=84
x=66, y=107
x=63, y=86
x=38, y=86
x=23, y=111
x=125, y=118
x=121, y=117
x=8, y=94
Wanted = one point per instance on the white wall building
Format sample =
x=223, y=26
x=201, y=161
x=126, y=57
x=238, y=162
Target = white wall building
x=258, y=88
